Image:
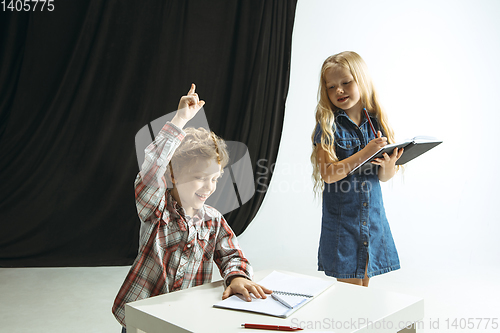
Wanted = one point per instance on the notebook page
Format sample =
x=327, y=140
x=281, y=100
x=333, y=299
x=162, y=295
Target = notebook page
x=282, y=282
x=294, y=284
x=267, y=306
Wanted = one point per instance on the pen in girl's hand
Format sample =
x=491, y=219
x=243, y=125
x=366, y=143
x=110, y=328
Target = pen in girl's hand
x=370, y=122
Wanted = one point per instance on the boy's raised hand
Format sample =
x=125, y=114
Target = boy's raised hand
x=243, y=286
x=189, y=106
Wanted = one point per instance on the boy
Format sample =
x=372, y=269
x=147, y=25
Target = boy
x=180, y=235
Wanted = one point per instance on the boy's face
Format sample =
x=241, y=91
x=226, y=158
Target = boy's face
x=194, y=186
x=343, y=91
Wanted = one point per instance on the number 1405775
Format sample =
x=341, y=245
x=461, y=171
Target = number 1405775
x=27, y=5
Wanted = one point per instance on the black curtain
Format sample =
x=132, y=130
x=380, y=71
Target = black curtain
x=77, y=83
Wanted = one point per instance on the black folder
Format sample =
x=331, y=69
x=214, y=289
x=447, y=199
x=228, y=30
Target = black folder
x=412, y=149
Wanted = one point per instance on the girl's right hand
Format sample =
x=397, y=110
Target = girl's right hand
x=189, y=106
x=376, y=144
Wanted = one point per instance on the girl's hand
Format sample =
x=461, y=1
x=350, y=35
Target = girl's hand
x=243, y=286
x=376, y=144
x=387, y=164
x=189, y=106
x=389, y=161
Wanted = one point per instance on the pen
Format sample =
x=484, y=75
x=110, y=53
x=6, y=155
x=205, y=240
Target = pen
x=272, y=327
x=281, y=301
x=370, y=122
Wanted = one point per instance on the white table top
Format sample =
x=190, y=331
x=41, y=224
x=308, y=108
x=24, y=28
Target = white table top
x=342, y=308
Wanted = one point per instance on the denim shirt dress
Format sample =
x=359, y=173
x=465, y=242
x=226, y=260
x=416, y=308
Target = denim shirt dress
x=354, y=227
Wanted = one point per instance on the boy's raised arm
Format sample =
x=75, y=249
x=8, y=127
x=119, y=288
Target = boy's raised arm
x=150, y=183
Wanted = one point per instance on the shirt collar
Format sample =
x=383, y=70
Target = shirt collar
x=175, y=209
x=340, y=114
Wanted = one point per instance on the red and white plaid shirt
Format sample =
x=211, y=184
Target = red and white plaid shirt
x=176, y=252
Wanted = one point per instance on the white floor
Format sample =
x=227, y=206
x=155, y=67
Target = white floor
x=62, y=300
x=59, y=300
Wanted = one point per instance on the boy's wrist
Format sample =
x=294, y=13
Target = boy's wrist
x=179, y=121
x=230, y=278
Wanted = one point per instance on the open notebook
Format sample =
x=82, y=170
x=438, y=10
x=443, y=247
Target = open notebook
x=290, y=293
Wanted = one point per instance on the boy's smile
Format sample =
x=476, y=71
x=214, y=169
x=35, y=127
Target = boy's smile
x=195, y=185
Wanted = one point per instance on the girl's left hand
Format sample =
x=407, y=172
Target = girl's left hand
x=389, y=161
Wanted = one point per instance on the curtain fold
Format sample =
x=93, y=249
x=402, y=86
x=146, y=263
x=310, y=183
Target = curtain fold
x=78, y=83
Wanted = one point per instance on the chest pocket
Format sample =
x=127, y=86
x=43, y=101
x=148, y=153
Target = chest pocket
x=345, y=147
x=206, y=242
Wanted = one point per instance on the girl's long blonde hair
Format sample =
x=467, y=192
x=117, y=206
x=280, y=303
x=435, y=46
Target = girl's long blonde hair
x=325, y=109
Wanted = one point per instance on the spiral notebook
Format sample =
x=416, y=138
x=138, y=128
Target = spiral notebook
x=290, y=293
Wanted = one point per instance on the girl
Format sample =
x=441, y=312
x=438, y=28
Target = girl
x=356, y=241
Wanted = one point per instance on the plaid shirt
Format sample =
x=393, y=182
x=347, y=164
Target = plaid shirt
x=176, y=252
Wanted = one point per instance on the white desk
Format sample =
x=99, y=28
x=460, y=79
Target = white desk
x=342, y=308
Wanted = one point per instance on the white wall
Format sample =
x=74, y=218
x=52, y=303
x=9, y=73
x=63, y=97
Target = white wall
x=436, y=66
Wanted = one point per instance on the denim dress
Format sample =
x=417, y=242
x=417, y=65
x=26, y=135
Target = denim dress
x=354, y=227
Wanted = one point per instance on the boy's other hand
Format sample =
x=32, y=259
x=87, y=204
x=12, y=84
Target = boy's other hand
x=243, y=286
x=189, y=106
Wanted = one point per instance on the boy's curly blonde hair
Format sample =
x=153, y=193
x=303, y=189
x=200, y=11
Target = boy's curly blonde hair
x=198, y=144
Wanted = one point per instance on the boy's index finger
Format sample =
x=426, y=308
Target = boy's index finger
x=193, y=88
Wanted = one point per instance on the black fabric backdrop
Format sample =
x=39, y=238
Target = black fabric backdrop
x=76, y=84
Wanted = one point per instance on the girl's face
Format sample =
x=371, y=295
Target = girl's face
x=192, y=188
x=342, y=90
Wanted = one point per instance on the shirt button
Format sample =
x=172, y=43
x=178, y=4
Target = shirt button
x=363, y=183
x=365, y=204
x=189, y=246
x=365, y=243
x=364, y=222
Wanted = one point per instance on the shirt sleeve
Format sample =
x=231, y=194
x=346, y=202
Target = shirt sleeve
x=228, y=255
x=317, y=135
x=150, y=184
